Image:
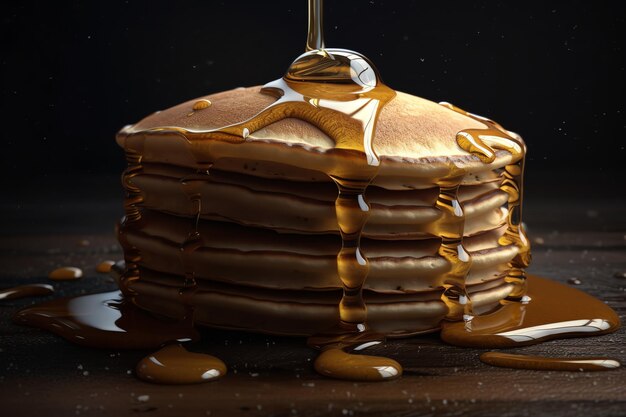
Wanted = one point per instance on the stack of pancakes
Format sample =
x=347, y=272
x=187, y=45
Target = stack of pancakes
x=267, y=257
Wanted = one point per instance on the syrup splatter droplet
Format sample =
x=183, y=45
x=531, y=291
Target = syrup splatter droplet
x=66, y=273
x=105, y=267
x=202, y=104
x=175, y=365
x=541, y=363
x=574, y=281
x=23, y=291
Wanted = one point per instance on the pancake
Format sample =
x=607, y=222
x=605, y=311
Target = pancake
x=260, y=217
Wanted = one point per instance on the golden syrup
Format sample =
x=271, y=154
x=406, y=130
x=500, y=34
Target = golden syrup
x=552, y=311
x=484, y=143
x=201, y=105
x=191, y=187
x=106, y=321
x=66, y=273
x=174, y=365
x=104, y=267
x=542, y=363
x=452, y=230
x=336, y=363
x=132, y=210
x=23, y=291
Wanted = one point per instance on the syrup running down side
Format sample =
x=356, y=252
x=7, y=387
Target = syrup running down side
x=483, y=143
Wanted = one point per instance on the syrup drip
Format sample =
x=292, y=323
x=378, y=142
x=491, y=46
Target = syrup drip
x=104, y=267
x=541, y=363
x=23, y=291
x=134, y=156
x=105, y=321
x=451, y=230
x=191, y=186
x=173, y=364
x=555, y=311
x=483, y=143
x=66, y=273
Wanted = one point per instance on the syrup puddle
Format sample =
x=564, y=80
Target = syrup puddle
x=23, y=291
x=173, y=364
x=554, y=311
x=541, y=363
x=104, y=321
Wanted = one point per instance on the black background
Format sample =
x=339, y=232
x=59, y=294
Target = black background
x=74, y=72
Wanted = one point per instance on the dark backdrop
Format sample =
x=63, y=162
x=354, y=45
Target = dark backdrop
x=74, y=72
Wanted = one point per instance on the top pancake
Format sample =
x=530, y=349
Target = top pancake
x=411, y=133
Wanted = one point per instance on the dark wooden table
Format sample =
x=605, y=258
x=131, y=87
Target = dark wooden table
x=41, y=374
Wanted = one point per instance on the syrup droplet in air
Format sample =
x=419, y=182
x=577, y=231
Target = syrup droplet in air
x=173, y=364
x=66, y=273
x=105, y=267
x=23, y=291
x=541, y=363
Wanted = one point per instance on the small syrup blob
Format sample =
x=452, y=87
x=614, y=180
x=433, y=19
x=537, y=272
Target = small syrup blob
x=66, y=273
x=173, y=364
x=105, y=267
x=202, y=104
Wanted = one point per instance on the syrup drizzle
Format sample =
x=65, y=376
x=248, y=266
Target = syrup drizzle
x=173, y=364
x=23, y=291
x=541, y=363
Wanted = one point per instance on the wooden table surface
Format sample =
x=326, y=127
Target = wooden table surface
x=41, y=374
